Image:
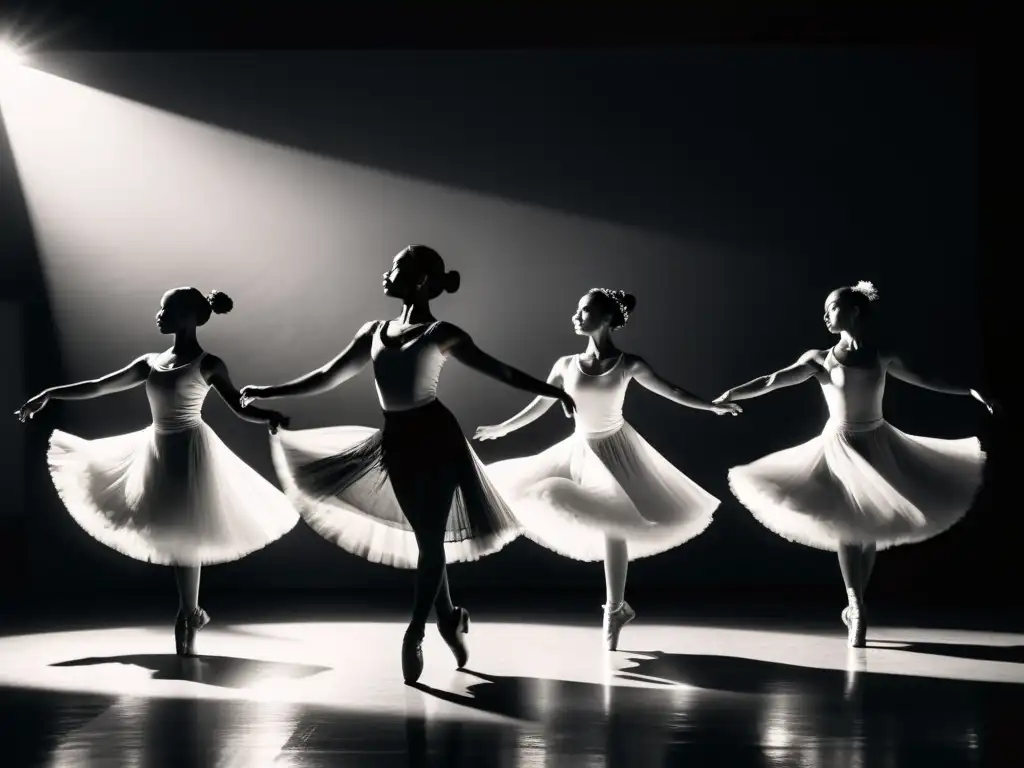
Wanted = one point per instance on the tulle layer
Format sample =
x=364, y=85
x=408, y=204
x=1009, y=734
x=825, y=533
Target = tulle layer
x=179, y=498
x=341, y=481
x=573, y=496
x=881, y=487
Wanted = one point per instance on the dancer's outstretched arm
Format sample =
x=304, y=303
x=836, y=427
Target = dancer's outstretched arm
x=809, y=364
x=642, y=372
x=898, y=369
x=459, y=345
x=131, y=375
x=216, y=372
x=530, y=413
x=353, y=359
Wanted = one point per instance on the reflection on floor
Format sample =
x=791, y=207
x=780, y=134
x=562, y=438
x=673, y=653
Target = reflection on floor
x=328, y=692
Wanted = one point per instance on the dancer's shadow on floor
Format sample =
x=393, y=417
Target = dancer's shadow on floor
x=886, y=691
x=219, y=671
x=731, y=674
x=506, y=696
x=1012, y=654
x=533, y=699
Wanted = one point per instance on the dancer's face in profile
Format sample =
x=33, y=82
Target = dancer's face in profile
x=402, y=281
x=839, y=316
x=591, y=316
x=173, y=314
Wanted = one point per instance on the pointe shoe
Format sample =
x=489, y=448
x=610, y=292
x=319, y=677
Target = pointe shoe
x=454, y=629
x=858, y=627
x=412, y=656
x=614, y=621
x=185, y=629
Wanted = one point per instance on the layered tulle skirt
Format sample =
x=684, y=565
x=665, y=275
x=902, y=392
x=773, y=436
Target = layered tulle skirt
x=369, y=490
x=177, y=498
x=868, y=484
x=585, y=489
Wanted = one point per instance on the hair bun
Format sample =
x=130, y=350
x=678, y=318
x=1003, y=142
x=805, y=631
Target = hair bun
x=629, y=302
x=866, y=288
x=220, y=302
x=452, y=280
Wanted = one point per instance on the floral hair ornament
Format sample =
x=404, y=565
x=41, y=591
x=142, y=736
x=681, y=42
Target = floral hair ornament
x=867, y=289
x=614, y=296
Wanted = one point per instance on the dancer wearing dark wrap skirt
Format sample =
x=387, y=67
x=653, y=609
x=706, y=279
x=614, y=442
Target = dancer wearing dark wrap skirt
x=412, y=494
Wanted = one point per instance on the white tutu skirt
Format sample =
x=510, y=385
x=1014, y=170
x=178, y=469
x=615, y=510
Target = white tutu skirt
x=880, y=486
x=180, y=498
x=573, y=496
x=341, y=481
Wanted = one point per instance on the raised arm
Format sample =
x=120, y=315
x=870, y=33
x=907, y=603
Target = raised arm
x=537, y=408
x=645, y=375
x=459, y=345
x=808, y=365
x=353, y=359
x=216, y=373
x=898, y=369
x=131, y=375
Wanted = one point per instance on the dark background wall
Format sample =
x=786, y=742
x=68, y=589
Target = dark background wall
x=729, y=190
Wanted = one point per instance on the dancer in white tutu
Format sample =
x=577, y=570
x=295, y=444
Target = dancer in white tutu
x=413, y=494
x=172, y=493
x=603, y=493
x=862, y=485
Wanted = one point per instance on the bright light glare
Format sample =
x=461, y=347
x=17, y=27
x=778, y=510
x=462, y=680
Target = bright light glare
x=9, y=56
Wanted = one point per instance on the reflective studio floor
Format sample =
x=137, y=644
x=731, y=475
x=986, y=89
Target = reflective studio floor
x=322, y=687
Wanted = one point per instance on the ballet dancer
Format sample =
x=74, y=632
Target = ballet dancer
x=603, y=493
x=412, y=494
x=862, y=485
x=172, y=493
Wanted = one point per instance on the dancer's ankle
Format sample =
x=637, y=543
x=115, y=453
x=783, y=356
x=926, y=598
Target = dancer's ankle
x=856, y=603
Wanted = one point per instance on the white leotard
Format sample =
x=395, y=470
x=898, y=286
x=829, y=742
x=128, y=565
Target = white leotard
x=406, y=374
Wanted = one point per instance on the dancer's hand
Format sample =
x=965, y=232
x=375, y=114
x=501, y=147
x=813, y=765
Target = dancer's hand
x=275, y=420
x=723, y=398
x=568, y=404
x=32, y=407
x=249, y=394
x=722, y=408
x=492, y=432
x=991, y=405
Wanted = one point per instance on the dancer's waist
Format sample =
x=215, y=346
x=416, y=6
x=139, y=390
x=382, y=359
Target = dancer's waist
x=849, y=425
x=173, y=426
x=596, y=431
x=403, y=407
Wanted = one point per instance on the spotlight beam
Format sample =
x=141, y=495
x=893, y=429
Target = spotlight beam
x=10, y=57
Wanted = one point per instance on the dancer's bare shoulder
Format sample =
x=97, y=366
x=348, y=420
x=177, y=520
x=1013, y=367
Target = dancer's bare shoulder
x=633, y=363
x=213, y=367
x=814, y=357
x=448, y=335
x=812, y=361
x=564, y=362
x=889, y=354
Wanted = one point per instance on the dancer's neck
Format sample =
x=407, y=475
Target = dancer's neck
x=600, y=346
x=850, y=340
x=186, y=344
x=416, y=312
